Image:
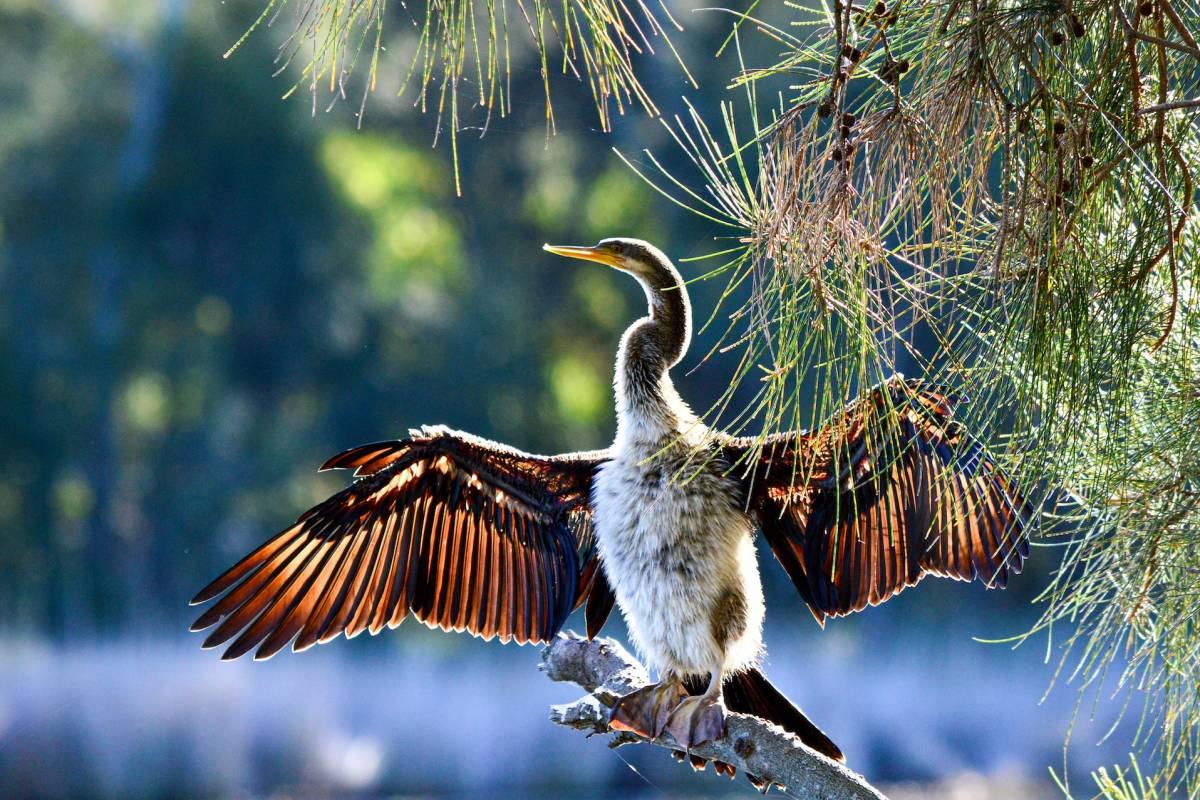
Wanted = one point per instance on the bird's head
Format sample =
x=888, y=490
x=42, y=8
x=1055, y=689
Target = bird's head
x=640, y=259
x=669, y=326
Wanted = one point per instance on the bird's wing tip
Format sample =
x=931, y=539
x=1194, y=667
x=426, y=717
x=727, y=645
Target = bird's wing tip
x=203, y=596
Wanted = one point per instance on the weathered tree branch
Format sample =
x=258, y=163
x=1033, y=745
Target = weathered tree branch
x=607, y=671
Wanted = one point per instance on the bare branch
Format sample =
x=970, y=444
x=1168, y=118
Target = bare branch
x=1172, y=106
x=607, y=671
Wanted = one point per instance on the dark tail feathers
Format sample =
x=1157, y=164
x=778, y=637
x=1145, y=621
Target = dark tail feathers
x=750, y=692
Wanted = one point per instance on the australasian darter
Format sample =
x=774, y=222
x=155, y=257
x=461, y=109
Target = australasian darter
x=470, y=535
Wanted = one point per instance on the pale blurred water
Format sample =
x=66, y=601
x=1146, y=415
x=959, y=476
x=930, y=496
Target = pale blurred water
x=427, y=714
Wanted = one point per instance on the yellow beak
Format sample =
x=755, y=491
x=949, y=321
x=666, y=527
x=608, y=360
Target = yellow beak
x=586, y=254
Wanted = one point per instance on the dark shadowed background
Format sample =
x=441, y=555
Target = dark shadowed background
x=205, y=291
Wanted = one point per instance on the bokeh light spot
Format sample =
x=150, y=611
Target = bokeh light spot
x=213, y=316
x=578, y=391
x=73, y=497
x=145, y=403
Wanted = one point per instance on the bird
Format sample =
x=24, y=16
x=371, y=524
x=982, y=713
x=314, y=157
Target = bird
x=467, y=534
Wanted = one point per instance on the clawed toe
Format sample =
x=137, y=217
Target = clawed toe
x=697, y=720
x=647, y=710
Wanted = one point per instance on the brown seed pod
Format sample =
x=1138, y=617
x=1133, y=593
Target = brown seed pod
x=1146, y=9
x=847, y=118
x=845, y=131
x=1077, y=29
x=836, y=155
x=1057, y=38
x=880, y=9
x=903, y=65
x=1065, y=186
x=852, y=53
x=849, y=149
x=1059, y=127
x=1087, y=161
x=825, y=109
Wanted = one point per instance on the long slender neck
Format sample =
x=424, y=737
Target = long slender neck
x=648, y=407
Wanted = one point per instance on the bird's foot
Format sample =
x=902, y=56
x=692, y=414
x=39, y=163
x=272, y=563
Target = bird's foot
x=697, y=720
x=645, y=711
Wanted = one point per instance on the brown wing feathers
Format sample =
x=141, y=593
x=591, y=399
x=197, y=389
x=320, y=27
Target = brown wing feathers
x=893, y=490
x=462, y=534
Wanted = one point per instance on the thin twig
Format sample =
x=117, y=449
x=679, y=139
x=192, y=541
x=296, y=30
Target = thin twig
x=1171, y=106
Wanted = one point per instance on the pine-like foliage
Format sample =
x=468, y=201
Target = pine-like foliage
x=996, y=194
x=1002, y=194
x=462, y=56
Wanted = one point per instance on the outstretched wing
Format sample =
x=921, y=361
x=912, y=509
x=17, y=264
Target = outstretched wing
x=891, y=490
x=465, y=534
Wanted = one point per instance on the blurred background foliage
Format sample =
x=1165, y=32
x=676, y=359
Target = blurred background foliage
x=204, y=292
